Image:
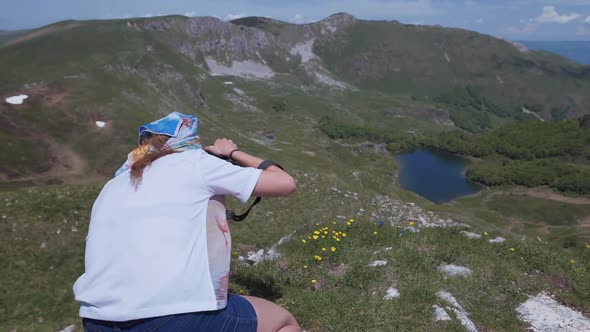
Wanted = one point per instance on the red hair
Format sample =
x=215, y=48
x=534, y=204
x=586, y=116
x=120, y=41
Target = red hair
x=158, y=142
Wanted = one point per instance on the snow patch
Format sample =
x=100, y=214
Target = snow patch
x=471, y=235
x=16, y=100
x=461, y=313
x=377, y=263
x=455, y=270
x=246, y=69
x=527, y=111
x=544, y=313
x=100, y=124
x=391, y=294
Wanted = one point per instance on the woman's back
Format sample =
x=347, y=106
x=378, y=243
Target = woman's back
x=150, y=251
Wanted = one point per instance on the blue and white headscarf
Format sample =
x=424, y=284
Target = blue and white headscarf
x=181, y=128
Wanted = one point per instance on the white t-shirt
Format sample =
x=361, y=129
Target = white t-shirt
x=165, y=248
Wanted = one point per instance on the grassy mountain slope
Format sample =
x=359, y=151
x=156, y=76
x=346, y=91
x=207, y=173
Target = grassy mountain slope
x=267, y=85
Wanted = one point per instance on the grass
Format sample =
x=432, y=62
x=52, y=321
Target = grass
x=42, y=233
x=324, y=300
x=539, y=211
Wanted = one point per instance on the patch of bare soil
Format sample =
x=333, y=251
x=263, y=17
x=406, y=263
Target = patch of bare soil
x=547, y=193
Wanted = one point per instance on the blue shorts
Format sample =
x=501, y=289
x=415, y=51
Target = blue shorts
x=238, y=316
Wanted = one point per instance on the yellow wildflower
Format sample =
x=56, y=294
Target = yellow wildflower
x=375, y=233
x=303, y=241
x=325, y=232
x=333, y=248
x=588, y=246
x=485, y=233
x=317, y=224
x=348, y=223
x=333, y=222
x=313, y=281
x=343, y=234
x=305, y=266
x=573, y=261
x=412, y=223
x=316, y=232
x=317, y=257
x=315, y=237
x=241, y=291
x=351, y=220
x=512, y=249
x=337, y=239
x=323, y=249
x=323, y=236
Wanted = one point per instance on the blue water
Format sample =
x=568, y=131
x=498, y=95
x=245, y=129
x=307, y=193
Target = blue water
x=434, y=175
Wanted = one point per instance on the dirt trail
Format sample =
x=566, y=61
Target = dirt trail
x=547, y=193
x=65, y=163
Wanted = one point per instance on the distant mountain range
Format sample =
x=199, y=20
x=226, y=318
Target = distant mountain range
x=578, y=51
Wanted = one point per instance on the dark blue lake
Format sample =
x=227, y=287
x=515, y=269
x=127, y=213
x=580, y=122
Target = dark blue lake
x=435, y=175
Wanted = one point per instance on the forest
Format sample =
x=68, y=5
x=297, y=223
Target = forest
x=527, y=153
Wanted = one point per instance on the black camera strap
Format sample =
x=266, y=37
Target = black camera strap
x=231, y=215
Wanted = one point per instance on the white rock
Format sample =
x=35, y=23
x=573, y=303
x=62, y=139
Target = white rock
x=455, y=270
x=228, y=83
x=440, y=313
x=544, y=313
x=377, y=263
x=272, y=252
x=16, y=100
x=386, y=249
x=471, y=235
x=100, y=124
x=256, y=257
x=69, y=328
x=497, y=240
x=392, y=293
x=461, y=313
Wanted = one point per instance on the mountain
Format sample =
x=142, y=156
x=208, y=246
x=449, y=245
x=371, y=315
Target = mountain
x=7, y=35
x=378, y=73
x=578, y=51
x=330, y=101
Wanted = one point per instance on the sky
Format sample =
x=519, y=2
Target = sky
x=511, y=19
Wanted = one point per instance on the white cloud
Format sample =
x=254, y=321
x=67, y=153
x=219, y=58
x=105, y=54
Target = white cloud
x=230, y=17
x=550, y=15
x=189, y=14
x=297, y=18
x=528, y=28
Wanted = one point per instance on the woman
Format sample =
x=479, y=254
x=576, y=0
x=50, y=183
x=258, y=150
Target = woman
x=158, y=245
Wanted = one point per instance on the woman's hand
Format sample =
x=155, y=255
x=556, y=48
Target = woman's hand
x=222, y=147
